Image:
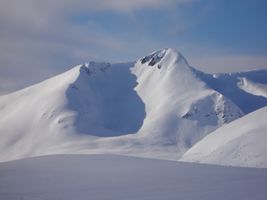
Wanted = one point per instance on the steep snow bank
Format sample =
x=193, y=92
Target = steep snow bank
x=240, y=143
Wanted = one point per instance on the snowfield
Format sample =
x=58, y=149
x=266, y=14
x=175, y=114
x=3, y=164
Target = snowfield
x=157, y=107
x=98, y=177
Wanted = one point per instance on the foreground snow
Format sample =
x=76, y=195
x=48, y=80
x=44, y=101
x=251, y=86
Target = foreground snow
x=240, y=143
x=115, y=177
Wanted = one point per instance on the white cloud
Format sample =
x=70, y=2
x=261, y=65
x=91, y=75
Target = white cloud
x=40, y=13
x=96, y=5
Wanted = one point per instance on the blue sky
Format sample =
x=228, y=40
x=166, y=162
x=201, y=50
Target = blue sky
x=42, y=38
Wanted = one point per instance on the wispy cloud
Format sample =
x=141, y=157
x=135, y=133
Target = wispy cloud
x=65, y=6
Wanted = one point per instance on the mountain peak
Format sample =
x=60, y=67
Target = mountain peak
x=161, y=56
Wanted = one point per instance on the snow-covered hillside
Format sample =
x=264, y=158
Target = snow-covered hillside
x=240, y=143
x=157, y=107
x=101, y=177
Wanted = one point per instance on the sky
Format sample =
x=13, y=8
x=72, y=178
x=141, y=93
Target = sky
x=39, y=39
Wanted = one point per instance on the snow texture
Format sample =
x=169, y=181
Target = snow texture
x=98, y=177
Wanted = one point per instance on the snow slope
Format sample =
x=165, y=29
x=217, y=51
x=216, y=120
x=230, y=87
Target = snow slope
x=240, y=143
x=157, y=107
x=83, y=177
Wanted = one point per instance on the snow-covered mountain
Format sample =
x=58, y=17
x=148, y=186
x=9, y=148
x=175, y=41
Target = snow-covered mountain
x=240, y=143
x=157, y=107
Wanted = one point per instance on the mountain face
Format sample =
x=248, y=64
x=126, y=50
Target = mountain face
x=157, y=107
